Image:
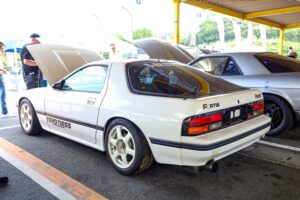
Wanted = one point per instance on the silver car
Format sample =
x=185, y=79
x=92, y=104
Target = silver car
x=277, y=76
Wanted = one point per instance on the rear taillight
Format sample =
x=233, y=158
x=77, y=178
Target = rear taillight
x=256, y=109
x=204, y=123
x=197, y=125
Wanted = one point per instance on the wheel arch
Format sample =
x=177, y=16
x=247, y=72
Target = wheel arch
x=119, y=117
x=22, y=99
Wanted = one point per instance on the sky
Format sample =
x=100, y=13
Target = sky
x=88, y=23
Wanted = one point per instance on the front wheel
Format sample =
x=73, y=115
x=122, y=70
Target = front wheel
x=280, y=113
x=126, y=148
x=28, y=118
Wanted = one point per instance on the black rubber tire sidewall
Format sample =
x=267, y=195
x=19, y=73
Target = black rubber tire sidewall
x=139, y=149
x=287, y=117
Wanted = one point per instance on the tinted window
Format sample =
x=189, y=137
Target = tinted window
x=89, y=79
x=231, y=69
x=212, y=65
x=174, y=79
x=277, y=63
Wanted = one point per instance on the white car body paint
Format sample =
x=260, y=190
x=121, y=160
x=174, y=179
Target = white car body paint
x=159, y=118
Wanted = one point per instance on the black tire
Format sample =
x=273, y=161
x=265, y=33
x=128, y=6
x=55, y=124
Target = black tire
x=33, y=126
x=280, y=112
x=142, y=158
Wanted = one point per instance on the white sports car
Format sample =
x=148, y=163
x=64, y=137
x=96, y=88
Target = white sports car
x=142, y=110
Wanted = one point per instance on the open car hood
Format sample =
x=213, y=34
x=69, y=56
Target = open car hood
x=158, y=49
x=57, y=61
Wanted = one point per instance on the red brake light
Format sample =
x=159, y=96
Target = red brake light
x=203, y=124
x=206, y=119
x=258, y=105
x=257, y=109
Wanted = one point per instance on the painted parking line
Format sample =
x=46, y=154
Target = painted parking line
x=9, y=127
x=282, y=146
x=53, y=180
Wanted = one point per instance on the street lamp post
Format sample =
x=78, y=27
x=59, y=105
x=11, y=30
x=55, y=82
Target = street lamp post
x=131, y=20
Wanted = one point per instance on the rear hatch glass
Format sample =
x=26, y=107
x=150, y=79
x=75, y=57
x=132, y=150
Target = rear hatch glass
x=277, y=63
x=174, y=79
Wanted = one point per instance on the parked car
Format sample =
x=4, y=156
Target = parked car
x=141, y=110
x=276, y=76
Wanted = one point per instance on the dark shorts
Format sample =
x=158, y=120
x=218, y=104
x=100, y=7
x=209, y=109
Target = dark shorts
x=33, y=81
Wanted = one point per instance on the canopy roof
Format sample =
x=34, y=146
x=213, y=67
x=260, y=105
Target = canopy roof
x=276, y=13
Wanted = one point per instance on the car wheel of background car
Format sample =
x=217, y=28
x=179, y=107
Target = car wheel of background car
x=127, y=148
x=280, y=113
x=28, y=118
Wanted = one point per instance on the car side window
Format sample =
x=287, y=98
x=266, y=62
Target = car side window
x=88, y=79
x=213, y=65
x=231, y=69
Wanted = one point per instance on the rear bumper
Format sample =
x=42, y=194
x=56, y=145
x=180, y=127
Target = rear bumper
x=197, y=151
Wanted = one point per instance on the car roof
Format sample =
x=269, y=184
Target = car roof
x=125, y=61
x=238, y=53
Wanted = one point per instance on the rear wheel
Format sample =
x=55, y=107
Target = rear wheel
x=28, y=118
x=126, y=148
x=280, y=113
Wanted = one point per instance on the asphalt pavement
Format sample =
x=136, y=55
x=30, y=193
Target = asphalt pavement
x=239, y=176
x=259, y=172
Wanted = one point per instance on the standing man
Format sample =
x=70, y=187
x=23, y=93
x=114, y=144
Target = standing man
x=31, y=72
x=3, y=180
x=2, y=86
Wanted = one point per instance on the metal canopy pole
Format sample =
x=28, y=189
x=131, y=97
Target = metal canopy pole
x=176, y=21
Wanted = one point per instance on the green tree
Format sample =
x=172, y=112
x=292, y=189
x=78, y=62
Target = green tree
x=229, y=33
x=272, y=33
x=142, y=33
x=244, y=29
x=208, y=32
x=292, y=35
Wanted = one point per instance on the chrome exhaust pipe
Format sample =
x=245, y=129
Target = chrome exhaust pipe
x=211, y=166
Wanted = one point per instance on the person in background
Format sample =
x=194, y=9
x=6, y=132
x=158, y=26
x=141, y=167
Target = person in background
x=114, y=53
x=3, y=180
x=2, y=86
x=32, y=75
x=292, y=53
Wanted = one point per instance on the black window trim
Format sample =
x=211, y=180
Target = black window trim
x=267, y=68
x=81, y=68
x=219, y=56
x=135, y=91
x=138, y=92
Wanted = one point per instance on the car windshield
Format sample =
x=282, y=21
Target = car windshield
x=277, y=63
x=175, y=80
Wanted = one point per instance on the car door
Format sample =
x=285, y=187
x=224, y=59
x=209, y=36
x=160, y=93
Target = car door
x=72, y=111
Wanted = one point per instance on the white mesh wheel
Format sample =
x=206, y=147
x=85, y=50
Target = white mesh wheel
x=121, y=146
x=26, y=117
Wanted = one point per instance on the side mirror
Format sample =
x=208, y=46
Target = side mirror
x=59, y=85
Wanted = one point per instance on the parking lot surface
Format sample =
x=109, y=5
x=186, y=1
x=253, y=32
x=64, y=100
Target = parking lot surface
x=238, y=177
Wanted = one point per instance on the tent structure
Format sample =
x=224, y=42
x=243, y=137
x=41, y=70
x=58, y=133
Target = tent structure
x=12, y=50
x=281, y=14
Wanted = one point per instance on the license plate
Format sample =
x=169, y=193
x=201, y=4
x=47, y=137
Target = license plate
x=235, y=113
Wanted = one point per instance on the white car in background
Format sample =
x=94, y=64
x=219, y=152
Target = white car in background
x=141, y=110
x=276, y=76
